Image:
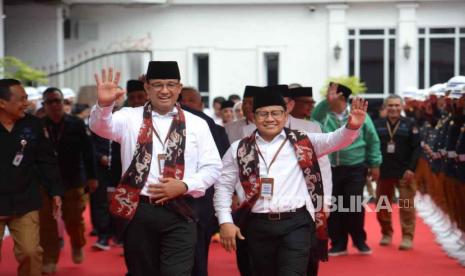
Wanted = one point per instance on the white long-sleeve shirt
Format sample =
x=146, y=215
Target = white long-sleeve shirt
x=290, y=190
x=323, y=161
x=239, y=129
x=202, y=162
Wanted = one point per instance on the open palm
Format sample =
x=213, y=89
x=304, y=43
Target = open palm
x=358, y=113
x=107, y=87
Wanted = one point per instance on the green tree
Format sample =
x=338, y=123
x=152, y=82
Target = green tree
x=354, y=83
x=12, y=67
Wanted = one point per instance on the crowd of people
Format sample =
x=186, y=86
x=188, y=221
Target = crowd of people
x=281, y=180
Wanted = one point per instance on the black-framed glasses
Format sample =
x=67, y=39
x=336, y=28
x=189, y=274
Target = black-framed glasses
x=276, y=114
x=171, y=86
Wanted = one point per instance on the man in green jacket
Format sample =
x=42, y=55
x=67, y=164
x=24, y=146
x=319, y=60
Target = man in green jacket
x=350, y=167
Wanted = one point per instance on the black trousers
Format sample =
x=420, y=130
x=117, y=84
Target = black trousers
x=242, y=254
x=207, y=225
x=280, y=247
x=99, y=213
x=243, y=258
x=314, y=260
x=348, y=181
x=159, y=242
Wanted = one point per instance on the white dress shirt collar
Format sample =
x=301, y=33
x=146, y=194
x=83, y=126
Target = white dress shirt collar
x=172, y=113
x=281, y=135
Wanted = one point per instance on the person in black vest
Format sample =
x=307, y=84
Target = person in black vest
x=107, y=155
x=167, y=158
x=400, y=147
x=108, y=172
x=207, y=225
x=73, y=146
x=26, y=160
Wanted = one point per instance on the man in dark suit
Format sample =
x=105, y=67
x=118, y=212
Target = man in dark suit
x=73, y=147
x=191, y=101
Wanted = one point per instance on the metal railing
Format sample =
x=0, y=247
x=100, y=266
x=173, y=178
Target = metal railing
x=131, y=63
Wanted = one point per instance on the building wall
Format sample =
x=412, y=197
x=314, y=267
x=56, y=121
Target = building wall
x=33, y=33
x=235, y=37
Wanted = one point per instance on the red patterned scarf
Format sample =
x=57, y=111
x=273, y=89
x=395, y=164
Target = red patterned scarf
x=125, y=199
x=249, y=175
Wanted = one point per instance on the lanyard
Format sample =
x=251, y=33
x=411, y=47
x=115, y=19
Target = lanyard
x=392, y=132
x=55, y=137
x=167, y=134
x=274, y=157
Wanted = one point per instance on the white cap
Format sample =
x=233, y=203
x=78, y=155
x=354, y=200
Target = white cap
x=68, y=93
x=457, y=92
x=422, y=94
x=32, y=93
x=439, y=89
x=409, y=92
x=453, y=82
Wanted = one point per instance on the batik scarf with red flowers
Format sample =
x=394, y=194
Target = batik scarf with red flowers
x=249, y=175
x=125, y=199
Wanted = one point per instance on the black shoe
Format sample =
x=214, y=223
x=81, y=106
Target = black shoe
x=102, y=244
x=336, y=251
x=93, y=233
x=363, y=249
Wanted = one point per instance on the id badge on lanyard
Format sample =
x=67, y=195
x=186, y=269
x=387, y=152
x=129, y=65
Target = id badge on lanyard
x=20, y=154
x=266, y=188
x=267, y=183
x=161, y=157
x=391, y=147
x=161, y=162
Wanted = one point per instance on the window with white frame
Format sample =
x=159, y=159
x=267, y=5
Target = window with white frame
x=202, y=75
x=272, y=68
x=372, y=59
x=441, y=54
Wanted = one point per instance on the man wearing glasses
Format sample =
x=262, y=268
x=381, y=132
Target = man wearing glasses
x=281, y=181
x=73, y=147
x=168, y=160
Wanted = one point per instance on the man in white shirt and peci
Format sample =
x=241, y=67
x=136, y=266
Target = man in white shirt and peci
x=282, y=184
x=167, y=159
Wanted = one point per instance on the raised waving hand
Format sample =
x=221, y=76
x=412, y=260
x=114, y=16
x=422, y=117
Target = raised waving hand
x=107, y=87
x=358, y=113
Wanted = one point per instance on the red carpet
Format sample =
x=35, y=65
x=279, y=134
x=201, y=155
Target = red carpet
x=426, y=258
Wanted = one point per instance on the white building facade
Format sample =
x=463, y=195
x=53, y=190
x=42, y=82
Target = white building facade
x=223, y=45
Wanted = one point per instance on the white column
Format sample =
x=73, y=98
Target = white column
x=60, y=45
x=337, y=36
x=407, y=35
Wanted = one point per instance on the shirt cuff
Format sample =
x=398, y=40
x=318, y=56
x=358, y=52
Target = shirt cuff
x=105, y=111
x=193, y=188
x=224, y=217
x=347, y=132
